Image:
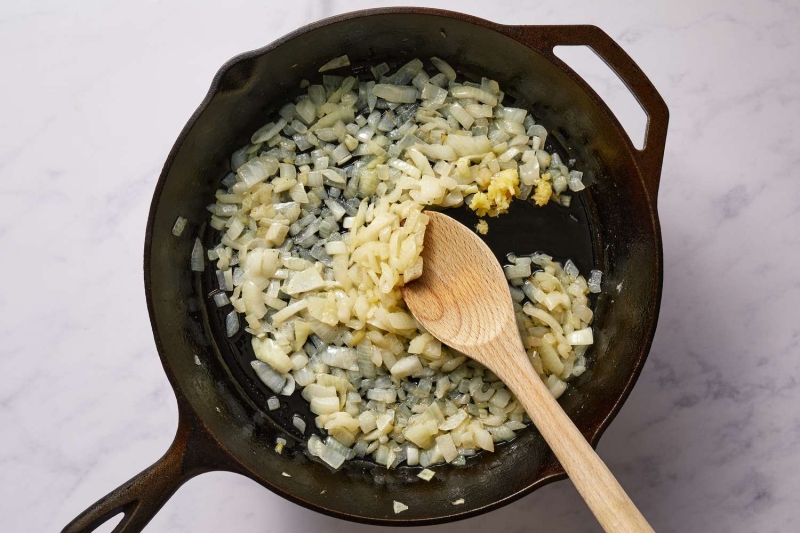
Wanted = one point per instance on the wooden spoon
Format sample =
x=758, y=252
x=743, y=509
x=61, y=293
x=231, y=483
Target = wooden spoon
x=463, y=300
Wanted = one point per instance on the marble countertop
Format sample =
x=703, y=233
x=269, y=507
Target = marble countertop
x=94, y=94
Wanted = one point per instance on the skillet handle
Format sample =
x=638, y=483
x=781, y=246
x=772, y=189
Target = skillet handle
x=544, y=38
x=141, y=497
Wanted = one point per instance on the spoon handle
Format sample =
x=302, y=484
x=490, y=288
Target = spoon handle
x=597, y=485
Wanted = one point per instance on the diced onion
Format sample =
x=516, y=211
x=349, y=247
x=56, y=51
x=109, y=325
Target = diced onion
x=279, y=443
x=268, y=131
x=177, y=228
x=394, y=93
x=288, y=389
x=231, y=323
x=299, y=423
x=474, y=93
x=426, y=474
x=268, y=376
x=594, y=281
x=581, y=337
x=270, y=352
x=406, y=366
x=444, y=68
x=198, y=262
x=337, y=62
x=221, y=299
x=461, y=115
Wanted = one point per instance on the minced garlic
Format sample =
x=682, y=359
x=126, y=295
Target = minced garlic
x=544, y=190
x=502, y=189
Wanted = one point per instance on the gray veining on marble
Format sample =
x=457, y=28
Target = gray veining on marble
x=94, y=94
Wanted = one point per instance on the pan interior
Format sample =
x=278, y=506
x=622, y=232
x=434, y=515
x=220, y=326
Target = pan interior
x=563, y=232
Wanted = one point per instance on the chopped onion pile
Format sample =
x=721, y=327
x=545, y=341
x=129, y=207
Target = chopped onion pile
x=321, y=224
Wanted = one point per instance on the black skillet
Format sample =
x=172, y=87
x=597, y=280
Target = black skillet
x=224, y=423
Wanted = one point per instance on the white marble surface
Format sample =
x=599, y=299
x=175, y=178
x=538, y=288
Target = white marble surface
x=710, y=438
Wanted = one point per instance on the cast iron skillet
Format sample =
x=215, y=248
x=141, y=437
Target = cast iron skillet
x=224, y=423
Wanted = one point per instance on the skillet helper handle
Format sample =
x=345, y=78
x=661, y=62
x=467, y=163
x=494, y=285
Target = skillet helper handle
x=141, y=497
x=544, y=38
x=601, y=491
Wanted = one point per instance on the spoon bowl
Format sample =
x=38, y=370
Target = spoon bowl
x=476, y=307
